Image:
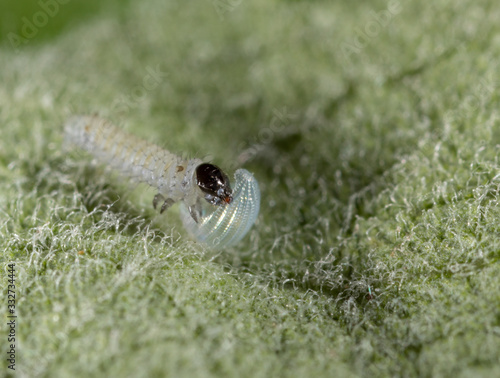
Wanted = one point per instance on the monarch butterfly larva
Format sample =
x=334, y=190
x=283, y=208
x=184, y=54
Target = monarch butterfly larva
x=213, y=213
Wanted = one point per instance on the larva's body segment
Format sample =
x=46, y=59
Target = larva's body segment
x=213, y=212
x=143, y=161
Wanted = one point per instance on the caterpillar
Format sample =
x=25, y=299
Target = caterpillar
x=212, y=212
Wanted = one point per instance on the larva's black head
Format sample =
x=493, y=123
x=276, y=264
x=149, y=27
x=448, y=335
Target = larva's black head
x=214, y=183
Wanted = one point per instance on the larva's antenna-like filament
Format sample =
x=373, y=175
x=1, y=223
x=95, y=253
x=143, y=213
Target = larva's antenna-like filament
x=213, y=212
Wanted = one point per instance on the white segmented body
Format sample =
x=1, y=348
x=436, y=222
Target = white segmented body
x=174, y=177
x=136, y=158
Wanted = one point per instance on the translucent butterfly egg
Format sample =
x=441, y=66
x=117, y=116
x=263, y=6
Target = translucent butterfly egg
x=226, y=225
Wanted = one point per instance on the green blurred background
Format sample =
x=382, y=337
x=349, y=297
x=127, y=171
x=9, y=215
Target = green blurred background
x=376, y=252
x=68, y=15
